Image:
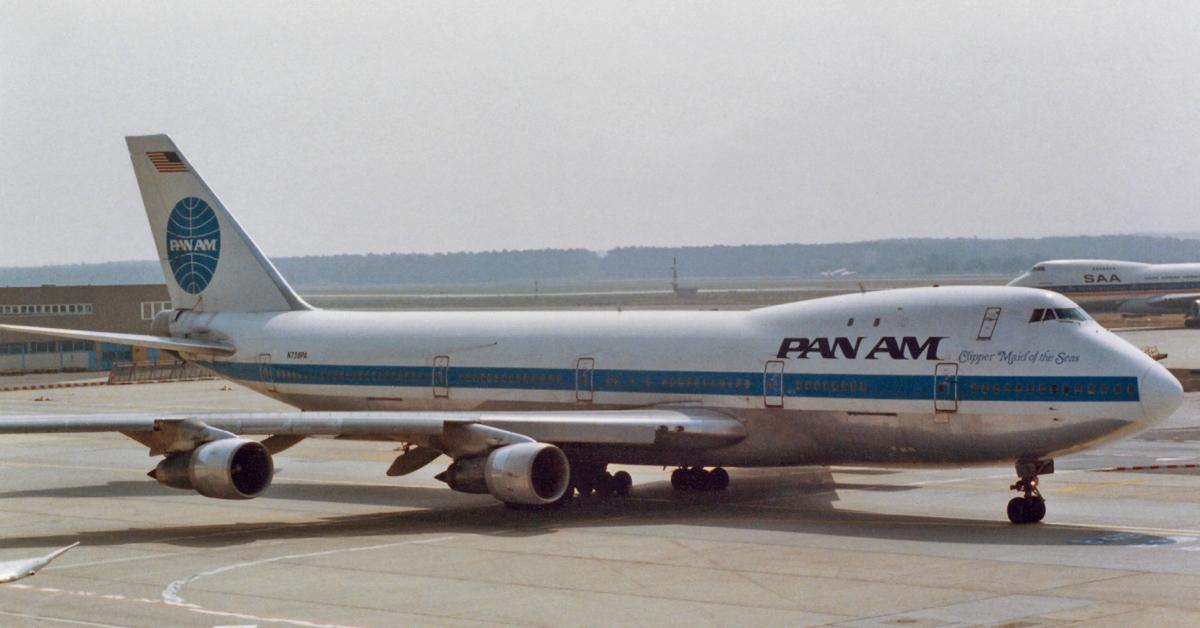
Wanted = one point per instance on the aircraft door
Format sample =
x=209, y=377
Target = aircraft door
x=945, y=389
x=990, y=317
x=441, y=376
x=773, y=384
x=265, y=372
x=584, y=379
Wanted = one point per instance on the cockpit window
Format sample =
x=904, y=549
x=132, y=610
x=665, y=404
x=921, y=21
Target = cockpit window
x=1070, y=314
x=1058, y=313
x=1038, y=269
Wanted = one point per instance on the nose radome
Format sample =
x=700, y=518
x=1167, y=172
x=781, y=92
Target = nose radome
x=1160, y=393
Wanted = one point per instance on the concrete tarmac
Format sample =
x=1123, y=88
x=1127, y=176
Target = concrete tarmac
x=334, y=542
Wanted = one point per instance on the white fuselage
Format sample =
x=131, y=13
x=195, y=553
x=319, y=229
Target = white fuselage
x=1130, y=287
x=923, y=376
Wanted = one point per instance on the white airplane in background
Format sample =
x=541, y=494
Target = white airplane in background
x=533, y=406
x=839, y=272
x=1127, y=287
x=13, y=570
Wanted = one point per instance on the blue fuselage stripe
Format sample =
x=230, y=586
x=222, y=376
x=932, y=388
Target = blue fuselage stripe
x=1164, y=286
x=743, y=384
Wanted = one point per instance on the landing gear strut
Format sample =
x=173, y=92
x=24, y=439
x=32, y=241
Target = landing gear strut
x=1031, y=508
x=591, y=478
x=697, y=479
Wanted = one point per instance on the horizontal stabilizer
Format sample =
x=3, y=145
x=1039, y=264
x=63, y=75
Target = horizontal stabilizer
x=137, y=340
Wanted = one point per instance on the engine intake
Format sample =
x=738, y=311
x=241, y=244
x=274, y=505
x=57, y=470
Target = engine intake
x=531, y=474
x=230, y=468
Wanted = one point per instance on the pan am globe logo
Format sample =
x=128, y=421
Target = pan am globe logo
x=193, y=244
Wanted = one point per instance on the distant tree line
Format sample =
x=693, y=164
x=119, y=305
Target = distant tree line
x=900, y=257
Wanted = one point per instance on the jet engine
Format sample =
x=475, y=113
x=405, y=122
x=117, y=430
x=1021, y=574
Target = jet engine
x=229, y=468
x=531, y=474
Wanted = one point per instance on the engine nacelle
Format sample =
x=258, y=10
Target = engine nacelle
x=532, y=474
x=230, y=468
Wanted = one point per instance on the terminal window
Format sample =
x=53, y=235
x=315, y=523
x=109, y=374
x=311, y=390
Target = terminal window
x=46, y=309
x=151, y=308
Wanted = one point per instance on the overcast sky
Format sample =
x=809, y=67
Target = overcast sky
x=437, y=126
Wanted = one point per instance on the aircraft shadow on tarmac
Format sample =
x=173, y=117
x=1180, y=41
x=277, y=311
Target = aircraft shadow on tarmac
x=798, y=502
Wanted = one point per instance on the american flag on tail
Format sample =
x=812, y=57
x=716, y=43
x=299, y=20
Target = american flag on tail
x=167, y=161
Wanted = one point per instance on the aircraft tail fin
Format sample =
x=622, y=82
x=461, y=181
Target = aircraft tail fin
x=209, y=261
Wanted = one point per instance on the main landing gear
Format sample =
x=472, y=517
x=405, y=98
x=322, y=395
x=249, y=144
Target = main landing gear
x=1031, y=508
x=593, y=478
x=697, y=479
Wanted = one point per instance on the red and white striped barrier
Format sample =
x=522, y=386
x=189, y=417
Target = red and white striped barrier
x=1151, y=467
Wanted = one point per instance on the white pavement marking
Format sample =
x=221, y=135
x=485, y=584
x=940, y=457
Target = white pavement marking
x=191, y=608
x=171, y=594
x=59, y=620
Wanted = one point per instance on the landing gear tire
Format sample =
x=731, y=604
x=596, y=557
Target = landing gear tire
x=622, y=482
x=583, y=485
x=680, y=480
x=719, y=479
x=1031, y=506
x=1036, y=510
x=1026, y=509
x=588, y=477
x=605, y=486
x=697, y=479
x=592, y=478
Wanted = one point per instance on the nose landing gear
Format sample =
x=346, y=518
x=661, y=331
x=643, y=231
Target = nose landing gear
x=1030, y=508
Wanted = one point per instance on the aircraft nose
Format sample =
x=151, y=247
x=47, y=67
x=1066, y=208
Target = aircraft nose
x=1160, y=393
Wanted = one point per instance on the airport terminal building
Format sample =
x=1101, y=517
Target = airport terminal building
x=125, y=309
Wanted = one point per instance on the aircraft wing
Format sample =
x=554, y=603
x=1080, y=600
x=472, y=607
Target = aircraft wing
x=1168, y=300
x=138, y=340
x=676, y=428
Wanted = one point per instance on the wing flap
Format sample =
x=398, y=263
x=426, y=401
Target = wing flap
x=186, y=345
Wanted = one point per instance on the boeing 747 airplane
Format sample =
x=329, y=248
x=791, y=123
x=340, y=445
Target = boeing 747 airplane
x=1127, y=287
x=531, y=407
